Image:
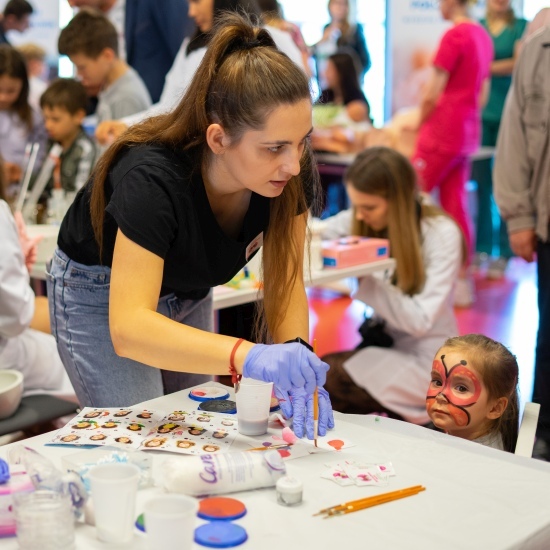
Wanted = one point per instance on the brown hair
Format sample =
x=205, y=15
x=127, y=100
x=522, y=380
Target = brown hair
x=18, y=8
x=386, y=173
x=13, y=64
x=499, y=372
x=2, y=180
x=88, y=33
x=67, y=93
x=240, y=81
x=32, y=52
x=345, y=27
x=509, y=17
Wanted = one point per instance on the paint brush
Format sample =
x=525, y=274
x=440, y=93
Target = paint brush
x=267, y=448
x=315, y=404
x=368, y=502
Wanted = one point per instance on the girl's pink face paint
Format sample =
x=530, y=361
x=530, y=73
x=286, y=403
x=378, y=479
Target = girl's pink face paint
x=452, y=391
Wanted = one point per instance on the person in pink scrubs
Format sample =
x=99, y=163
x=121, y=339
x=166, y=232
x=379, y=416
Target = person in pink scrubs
x=450, y=119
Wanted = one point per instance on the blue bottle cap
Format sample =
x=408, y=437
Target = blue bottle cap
x=208, y=393
x=220, y=534
x=140, y=523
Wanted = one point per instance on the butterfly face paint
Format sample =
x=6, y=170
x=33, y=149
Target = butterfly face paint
x=453, y=391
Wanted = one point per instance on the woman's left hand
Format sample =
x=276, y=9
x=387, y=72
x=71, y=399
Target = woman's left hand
x=29, y=245
x=299, y=405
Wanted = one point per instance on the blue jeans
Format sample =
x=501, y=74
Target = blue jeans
x=79, y=314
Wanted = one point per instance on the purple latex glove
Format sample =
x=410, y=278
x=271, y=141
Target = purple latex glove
x=299, y=405
x=288, y=366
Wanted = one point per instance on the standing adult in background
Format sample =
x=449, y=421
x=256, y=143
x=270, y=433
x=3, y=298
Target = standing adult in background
x=204, y=13
x=272, y=15
x=506, y=30
x=450, y=120
x=15, y=17
x=150, y=34
x=340, y=33
x=522, y=191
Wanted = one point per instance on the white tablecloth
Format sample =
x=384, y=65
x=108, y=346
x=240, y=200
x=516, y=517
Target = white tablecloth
x=475, y=498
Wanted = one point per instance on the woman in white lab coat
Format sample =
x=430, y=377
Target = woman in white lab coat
x=415, y=304
x=25, y=342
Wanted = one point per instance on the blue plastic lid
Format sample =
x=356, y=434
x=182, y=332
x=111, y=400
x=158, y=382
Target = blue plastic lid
x=4, y=471
x=220, y=534
x=208, y=393
x=224, y=406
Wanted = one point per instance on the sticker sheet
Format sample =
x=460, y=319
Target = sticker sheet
x=189, y=432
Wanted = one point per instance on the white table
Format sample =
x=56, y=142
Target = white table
x=346, y=159
x=476, y=498
x=227, y=297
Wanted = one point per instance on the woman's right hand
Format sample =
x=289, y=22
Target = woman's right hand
x=288, y=366
x=109, y=130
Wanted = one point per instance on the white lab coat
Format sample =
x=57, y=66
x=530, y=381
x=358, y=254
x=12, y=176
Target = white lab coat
x=398, y=377
x=184, y=67
x=31, y=352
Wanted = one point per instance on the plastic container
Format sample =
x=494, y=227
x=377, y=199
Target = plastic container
x=289, y=491
x=44, y=520
x=19, y=482
x=223, y=473
x=253, y=403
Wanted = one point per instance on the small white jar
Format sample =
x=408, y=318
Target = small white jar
x=289, y=491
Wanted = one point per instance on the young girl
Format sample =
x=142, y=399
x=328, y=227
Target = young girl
x=19, y=123
x=184, y=200
x=416, y=304
x=473, y=391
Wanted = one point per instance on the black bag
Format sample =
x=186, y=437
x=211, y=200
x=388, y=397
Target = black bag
x=373, y=333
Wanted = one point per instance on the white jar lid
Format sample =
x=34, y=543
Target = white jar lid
x=289, y=485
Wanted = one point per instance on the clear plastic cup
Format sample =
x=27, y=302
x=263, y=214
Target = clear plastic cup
x=170, y=521
x=114, y=488
x=253, y=401
x=44, y=519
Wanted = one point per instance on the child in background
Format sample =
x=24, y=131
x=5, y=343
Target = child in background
x=64, y=108
x=91, y=42
x=473, y=391
x=35, y=58
x=19, y=123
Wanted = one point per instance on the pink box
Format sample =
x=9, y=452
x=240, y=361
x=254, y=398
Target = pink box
x=354, y=250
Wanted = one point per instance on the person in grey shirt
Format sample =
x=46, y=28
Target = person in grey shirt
x=522, y=191
x=91, y=42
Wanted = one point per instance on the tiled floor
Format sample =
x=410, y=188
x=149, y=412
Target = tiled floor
x=505, y=310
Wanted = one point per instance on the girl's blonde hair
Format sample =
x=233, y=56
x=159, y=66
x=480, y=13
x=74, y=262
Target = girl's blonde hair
x=13, y=64
x=384, y=172
x=499, y=372
x=242, y=78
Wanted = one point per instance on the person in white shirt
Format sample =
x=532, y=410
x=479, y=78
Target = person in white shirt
x=188, y=58
x=25, y=342
x=415, y=305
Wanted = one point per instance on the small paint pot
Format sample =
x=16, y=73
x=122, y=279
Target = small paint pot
x=289, y=491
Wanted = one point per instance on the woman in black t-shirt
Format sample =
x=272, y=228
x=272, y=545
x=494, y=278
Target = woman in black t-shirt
x=177, y=205
x=343, y=86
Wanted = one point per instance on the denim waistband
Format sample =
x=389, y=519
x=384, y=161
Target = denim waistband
x=72, y=269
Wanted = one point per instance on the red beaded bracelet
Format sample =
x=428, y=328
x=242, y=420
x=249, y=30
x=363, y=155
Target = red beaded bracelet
x=235, y=376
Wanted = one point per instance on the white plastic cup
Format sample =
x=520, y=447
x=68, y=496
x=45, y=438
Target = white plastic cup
x=253, y=402
x=170, y=518
x=114, y=488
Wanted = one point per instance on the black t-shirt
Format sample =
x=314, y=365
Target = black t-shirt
x=327, y=96
x=158, y=200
